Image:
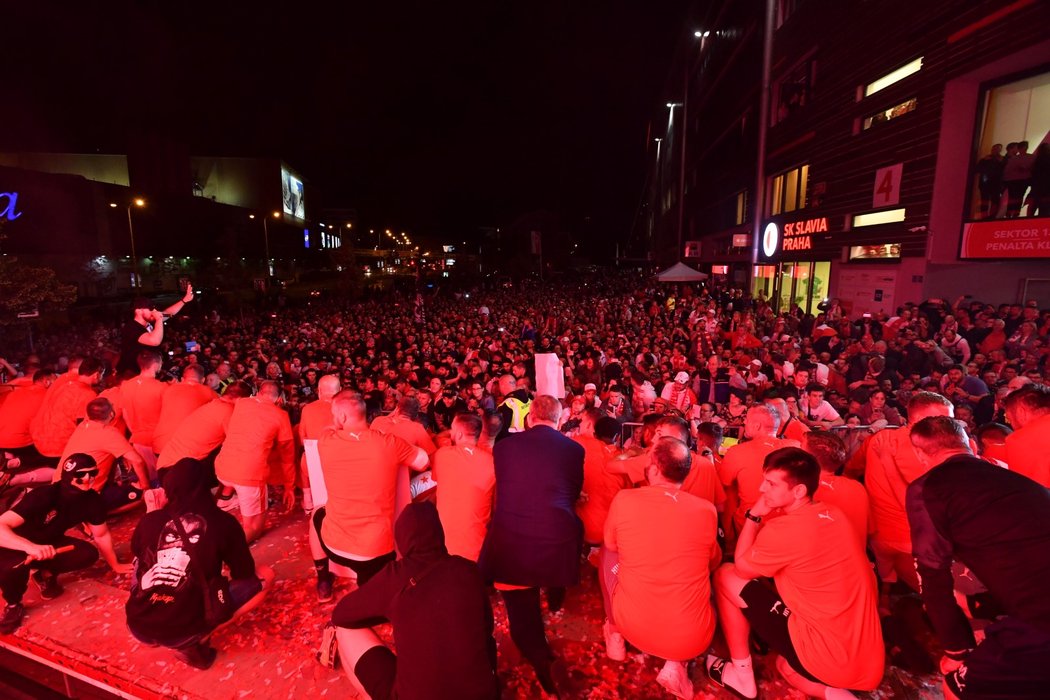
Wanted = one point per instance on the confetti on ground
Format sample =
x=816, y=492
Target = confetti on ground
x=270, y=653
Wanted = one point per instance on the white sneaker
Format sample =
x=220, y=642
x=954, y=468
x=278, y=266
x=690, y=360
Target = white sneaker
x=615, y=648
x=674, y=678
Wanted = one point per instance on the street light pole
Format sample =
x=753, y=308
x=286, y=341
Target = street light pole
x=136, y=282
x=685, y=129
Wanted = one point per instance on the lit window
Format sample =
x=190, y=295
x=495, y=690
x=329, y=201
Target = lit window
x=787, y=191
x=891, y=113
x=741, y=208
x=889, y=216
x=895, y=76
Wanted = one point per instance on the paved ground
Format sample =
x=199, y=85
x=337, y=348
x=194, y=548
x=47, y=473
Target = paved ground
x=270, y=654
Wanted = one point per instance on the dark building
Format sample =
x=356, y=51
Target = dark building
x=870, y=186
x=96, y=219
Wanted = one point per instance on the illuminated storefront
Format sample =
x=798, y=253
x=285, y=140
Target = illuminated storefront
x=788, y=274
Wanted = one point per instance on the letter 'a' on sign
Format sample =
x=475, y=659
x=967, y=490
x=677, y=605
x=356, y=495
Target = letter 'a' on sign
x=9, y=206
x=770, y=239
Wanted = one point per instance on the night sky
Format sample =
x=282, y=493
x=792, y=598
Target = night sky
x=435, y=118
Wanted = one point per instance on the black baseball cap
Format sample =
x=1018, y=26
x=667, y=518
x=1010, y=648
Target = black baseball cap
x=77, y=466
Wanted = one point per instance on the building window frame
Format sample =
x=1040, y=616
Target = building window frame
x=788, y=190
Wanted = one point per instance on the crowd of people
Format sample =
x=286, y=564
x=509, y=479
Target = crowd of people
x=782, y=478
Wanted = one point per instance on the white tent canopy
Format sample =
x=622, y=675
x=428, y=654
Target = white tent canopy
x=680, y=272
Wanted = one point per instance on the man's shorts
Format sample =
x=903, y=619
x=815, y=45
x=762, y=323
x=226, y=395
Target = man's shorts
x=377, y=671
x=1013, y=661
x=768, y=616
x=251, y=499
x=364, y=568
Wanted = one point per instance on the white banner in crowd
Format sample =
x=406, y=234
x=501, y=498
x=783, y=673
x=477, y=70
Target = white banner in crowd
x=550, y=375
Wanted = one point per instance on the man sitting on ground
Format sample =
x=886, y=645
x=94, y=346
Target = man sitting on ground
x=821, y=614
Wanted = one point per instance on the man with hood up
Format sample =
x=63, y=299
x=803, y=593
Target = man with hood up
x=441, y=616
x=166, y=606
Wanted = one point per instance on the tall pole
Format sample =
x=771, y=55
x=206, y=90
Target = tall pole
x=763, y=127
x=266, y=244
x=658, y=213
x=134, y=258
x=681, y=158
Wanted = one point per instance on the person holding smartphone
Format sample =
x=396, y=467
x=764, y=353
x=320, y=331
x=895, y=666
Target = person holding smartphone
x=146, y=330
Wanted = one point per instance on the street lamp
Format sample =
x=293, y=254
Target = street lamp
x=266, y=240
x=137, y=202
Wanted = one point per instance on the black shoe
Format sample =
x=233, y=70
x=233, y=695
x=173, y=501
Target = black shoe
x=50, y=588
x=324, y=588
x=12, y=618
x=199, y=656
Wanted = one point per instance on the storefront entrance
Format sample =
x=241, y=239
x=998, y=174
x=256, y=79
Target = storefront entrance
x=803, y=283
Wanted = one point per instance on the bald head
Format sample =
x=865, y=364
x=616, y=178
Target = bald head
x=327, y=387
x=507, y=384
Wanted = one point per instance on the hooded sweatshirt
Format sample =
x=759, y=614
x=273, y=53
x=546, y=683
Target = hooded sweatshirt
x=439, y=610
x=167, y=600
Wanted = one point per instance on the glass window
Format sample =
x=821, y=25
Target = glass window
x=741, y=208
x=762, y=281
x=1013, y=132
x=894, y=76
x=788, y=190
x=818, y=285
x=875, y=218
x=787, y=284
x=891, y=113
x=793, y=90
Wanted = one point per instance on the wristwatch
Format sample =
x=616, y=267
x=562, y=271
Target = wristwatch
x=753, y=518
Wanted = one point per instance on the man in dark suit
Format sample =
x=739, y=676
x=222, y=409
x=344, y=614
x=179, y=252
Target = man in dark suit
x=712, y=383
x=535, y=537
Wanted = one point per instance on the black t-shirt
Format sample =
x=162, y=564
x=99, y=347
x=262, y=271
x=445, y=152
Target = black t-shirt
x=130, y=346
x=49, y=511
x=167, y=601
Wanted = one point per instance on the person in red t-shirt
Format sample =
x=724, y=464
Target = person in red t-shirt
x=821, y=614
x=660, y=547
x=1028, y=447
x=16, y=413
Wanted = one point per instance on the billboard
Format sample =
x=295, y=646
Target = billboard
x=292, y=194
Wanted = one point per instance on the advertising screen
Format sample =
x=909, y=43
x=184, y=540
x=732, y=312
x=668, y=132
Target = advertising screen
x=292, y=195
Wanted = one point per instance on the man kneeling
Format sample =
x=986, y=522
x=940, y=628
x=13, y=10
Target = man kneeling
x=441, y=617
x=178, y=550
x=821, y=612
x=660, y=548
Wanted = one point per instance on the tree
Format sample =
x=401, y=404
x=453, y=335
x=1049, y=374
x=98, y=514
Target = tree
x=25, y=288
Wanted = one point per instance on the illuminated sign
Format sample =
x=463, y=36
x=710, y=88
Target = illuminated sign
x=292, y=195
x=720, y=269
x=306, y=238
x=770, y=239
x=9, y=209
x=791, y=235
x=1017, y=238
x=741, y=240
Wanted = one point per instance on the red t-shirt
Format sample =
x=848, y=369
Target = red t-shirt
x=667, y=546
x=466, y=482
x=360, y=471
x=823, y=576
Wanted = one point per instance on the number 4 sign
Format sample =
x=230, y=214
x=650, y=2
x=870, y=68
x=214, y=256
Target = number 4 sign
x=887, y=186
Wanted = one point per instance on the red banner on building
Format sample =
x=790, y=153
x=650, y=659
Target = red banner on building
x=1006, y=238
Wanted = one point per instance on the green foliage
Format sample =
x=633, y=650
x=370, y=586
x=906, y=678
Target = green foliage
x=24, y=288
